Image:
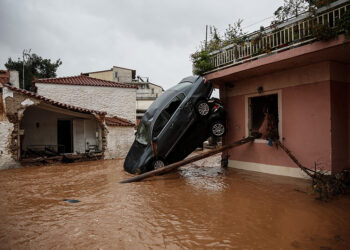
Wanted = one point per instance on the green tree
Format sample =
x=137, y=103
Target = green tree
x=34, y=66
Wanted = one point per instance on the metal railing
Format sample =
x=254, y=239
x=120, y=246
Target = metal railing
x=292, y=33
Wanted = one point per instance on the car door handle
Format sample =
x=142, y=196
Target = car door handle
x=172, y=125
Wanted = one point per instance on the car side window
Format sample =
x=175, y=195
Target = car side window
x=166, y=114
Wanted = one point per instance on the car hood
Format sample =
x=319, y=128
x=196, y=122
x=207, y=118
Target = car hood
x=138, y=157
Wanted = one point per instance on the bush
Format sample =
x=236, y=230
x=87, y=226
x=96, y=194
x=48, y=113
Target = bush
x=201, y=62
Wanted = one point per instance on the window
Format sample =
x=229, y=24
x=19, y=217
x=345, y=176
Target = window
x=142, y=135
x=166, y=114
x=263, y=116
x=116, y=75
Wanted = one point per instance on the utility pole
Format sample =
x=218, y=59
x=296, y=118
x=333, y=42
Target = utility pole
x=206, y=36
x=23, y=69
x=24, y=53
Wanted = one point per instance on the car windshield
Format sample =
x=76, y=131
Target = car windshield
x=142, y=134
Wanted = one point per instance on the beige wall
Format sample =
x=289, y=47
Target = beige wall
x=105, y=75
x=124, y=75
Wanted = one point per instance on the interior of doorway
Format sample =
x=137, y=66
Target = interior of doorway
x=64, y=136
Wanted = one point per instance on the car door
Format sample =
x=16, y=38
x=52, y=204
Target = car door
x=171, y=124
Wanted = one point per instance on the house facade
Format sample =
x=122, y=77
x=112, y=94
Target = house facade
x=302, y=83
x=115, y=99
x=35, y=127
x=146, y=92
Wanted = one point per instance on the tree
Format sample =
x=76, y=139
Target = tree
x=290, y=8
x=34, y=66
x=234, y=33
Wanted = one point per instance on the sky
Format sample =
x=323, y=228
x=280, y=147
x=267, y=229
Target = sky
x=154, y=37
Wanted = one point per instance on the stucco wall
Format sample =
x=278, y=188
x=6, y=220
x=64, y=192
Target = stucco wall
x=340, y=127
x=305, y=128
x=46, y=131
x=143, y=104
x=115, y=101
x=119, y=141
x=305, y=118
x=124, y=75
x=6, y=160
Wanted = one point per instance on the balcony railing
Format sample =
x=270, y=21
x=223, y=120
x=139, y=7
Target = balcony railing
x=292, y=33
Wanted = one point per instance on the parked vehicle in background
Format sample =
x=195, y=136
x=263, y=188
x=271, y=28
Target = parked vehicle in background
x=177, y=122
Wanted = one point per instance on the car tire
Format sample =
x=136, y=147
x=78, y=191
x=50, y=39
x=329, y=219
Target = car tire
x=202, y=108
x=217, y=128
x=156, y=164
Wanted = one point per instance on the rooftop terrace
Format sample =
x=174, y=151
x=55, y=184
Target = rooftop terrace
x=322, y=24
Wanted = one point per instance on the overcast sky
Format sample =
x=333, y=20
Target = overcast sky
x=155, y=37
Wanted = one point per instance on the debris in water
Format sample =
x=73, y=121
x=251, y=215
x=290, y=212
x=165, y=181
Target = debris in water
x=71, y=201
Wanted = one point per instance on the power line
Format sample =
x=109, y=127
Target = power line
x=250, y=25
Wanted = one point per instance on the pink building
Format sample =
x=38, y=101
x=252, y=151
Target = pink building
x=303, y=83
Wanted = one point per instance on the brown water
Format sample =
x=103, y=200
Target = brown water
x=201, y=206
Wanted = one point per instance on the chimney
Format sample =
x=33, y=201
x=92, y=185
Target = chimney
x=14, y=78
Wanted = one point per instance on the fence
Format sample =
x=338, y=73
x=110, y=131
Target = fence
x=294, y=32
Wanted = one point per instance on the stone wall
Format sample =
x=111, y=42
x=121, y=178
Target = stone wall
x=6, y=158
x=119, y=141
x=115, y=101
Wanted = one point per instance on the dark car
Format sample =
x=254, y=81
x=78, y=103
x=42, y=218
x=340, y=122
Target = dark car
x=176, y=123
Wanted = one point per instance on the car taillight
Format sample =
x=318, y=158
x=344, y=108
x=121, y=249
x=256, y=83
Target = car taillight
x=216, y=106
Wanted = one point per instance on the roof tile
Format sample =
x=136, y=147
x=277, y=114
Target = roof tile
x=118, y=122
x=83, y=80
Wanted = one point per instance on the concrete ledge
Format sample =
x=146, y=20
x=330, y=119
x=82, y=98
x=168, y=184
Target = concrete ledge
x=269, y=169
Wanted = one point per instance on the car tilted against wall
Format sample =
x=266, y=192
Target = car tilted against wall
x=177, y=122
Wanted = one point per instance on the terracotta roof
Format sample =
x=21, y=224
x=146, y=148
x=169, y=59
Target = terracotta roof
x=53, y=102
x=118, y=122
x=84, y=81
x=4, y=76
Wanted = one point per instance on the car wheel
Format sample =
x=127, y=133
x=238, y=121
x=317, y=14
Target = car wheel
x=218, y=128
x=158, y=164
x=202, y=108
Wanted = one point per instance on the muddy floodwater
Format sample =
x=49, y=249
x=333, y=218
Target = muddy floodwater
x=200, y=206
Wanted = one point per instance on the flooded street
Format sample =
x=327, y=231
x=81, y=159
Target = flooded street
x=200, y=206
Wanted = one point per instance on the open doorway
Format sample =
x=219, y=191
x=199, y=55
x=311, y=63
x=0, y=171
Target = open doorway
x=264, y=115
x=64, y=136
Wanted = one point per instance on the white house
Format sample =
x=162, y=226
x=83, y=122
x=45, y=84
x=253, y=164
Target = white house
x=146, y=93
x=116, y=99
